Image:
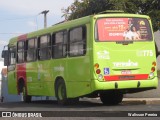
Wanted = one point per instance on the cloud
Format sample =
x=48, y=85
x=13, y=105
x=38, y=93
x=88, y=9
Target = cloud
x=2, y=42
x=34, y=7
x=32, y=24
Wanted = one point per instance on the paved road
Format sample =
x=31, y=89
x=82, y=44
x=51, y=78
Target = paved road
x=83, y=105
x=87, y=105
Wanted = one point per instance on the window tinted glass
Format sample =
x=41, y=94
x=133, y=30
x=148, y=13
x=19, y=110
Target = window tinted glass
x=77, y=44
x=60, y=44
x=20, y=45
x=21, y=52
x=32, y=43
x=44, y=50
x=59, y=37
x=76, y=34
x=44, y=41
x=31, y=49
x=12, y=56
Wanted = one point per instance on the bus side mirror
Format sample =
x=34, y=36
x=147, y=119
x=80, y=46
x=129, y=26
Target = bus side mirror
x=5, y=55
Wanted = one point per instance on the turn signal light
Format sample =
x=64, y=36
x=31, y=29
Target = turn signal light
x=154, y=63
x=153, y=69
x=98, y=71
x=96, y=66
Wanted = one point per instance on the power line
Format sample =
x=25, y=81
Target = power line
x=13, y=19
x=11, y=33
x=17, y=19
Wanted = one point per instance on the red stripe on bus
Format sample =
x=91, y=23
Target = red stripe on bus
x=126, y=77
x=21, y=68
x=21, y=74
x=22, y=37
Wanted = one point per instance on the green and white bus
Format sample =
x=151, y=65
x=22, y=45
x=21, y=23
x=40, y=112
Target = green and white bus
x=102, y=55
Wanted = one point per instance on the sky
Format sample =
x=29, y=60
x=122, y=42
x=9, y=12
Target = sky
x=22, y=16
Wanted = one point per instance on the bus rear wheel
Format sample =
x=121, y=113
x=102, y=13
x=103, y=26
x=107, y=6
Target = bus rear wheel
x=60, y=90
x=111, y=97
x=61, y=95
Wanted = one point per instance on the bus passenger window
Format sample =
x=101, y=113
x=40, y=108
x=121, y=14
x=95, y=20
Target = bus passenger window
x=21, y=52
x=44, y=48
x=77, y=41
x=12, y=56
x=31, y=50
x=59, y=44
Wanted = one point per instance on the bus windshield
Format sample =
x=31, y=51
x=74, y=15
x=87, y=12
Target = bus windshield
x=123, y=29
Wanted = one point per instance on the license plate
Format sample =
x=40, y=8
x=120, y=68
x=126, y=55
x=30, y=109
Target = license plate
x=125, y=72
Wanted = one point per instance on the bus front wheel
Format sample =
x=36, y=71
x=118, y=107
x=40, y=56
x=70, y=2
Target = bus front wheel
x=26, y=98
x=111, y=97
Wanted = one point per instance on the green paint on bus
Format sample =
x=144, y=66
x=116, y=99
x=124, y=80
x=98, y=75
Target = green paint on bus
x=98, y=55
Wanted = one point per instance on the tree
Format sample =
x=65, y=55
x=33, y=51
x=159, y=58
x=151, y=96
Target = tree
x=81, y=8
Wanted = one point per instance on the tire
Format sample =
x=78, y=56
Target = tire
x=26, y=98
x=60, y=91
x=61, y=95
x=111, y=98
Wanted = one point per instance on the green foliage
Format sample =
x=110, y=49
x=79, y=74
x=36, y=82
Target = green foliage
x=81, y=8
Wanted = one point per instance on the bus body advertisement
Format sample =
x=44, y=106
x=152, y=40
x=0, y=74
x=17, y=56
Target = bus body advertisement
x=103, y=55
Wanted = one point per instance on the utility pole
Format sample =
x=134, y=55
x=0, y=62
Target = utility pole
x=45, y=25
x=45, y=17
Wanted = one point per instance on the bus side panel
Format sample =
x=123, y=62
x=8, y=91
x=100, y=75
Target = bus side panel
x=79, y=71
x=33, y=83
x=39, y=78
x=51, y=69
x=78, y=82
x=12, y=82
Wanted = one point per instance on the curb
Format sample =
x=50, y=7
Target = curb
x=129, y=101
x=146, y=101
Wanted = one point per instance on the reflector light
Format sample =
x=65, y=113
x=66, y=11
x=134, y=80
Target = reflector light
x=96, y=65
x=98, y=71
x=153, y=69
